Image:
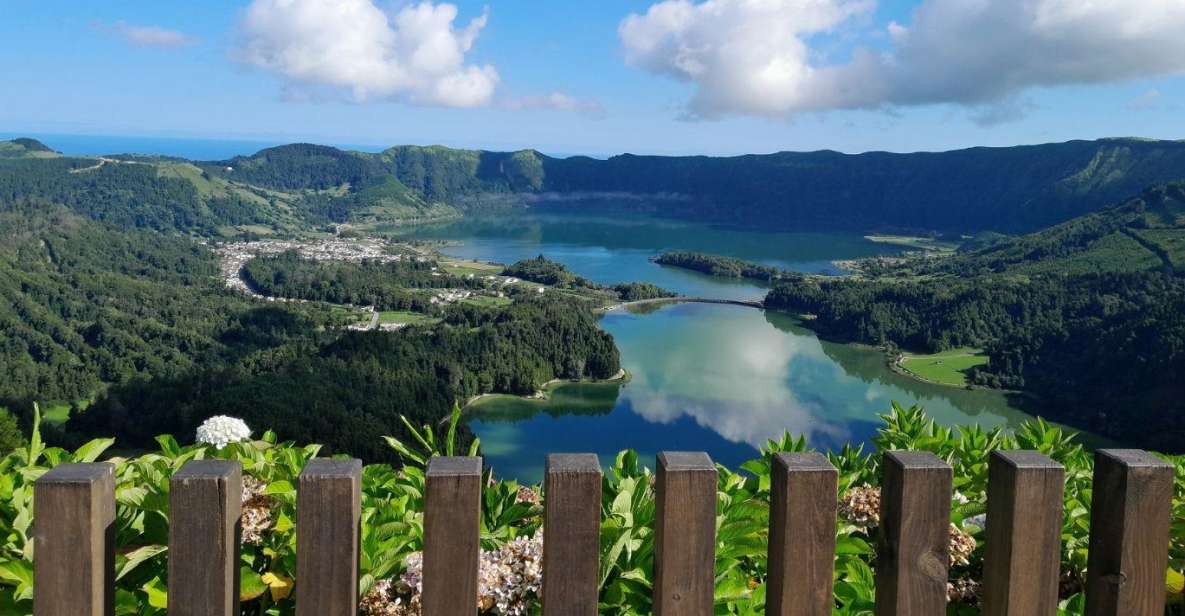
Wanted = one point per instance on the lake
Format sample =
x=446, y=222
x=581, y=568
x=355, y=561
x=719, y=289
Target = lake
x=717, y=378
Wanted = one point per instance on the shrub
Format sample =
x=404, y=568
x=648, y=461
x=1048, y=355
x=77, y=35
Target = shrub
x=392, y=523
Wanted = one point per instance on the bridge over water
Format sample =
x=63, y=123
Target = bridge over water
x=689, y=299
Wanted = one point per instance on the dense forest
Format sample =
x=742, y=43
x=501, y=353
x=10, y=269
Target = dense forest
x=545, y=271
x=552, y=273
x=1087, y=316
x=386, y=285
x=716, y=265
x=350, y=389
x=140, y=323
x=636, y=291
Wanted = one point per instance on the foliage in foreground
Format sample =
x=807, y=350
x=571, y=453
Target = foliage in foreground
x=511, y=514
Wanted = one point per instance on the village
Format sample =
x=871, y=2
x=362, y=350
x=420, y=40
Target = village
x=234, y=255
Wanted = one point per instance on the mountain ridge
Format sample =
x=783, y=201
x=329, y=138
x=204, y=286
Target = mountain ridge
x=1013, y=189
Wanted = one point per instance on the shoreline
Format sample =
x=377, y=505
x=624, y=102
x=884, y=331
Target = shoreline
x=544, y=392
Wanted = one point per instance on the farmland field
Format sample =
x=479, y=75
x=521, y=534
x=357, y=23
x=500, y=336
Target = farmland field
x=949, y=367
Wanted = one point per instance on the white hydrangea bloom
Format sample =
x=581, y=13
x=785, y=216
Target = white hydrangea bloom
x=220, y=430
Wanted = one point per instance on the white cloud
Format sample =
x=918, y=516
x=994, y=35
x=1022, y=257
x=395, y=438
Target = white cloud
x=558, y=101
x=415, y=54
x=150, y=36
x=1148, y=101
x=755, y=57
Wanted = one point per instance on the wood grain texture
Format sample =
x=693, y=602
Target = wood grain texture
x=1023, y=534
x=452, y=509
x=1129, y=534
x=685, y=537
x=74, y=541
x=572, y=528
x=328, y=509
x=914, y=540
x=205, y=499
x=803, y=504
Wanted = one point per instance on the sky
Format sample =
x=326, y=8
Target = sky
x=601, y=77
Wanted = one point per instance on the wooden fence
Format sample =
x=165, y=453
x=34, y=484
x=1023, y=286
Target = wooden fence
x=1129, y=535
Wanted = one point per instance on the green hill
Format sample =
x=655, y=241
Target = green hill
x=1142, y=233
x=1013, y=190
x=1087, y=318
x=141, y=192
x=24, y=147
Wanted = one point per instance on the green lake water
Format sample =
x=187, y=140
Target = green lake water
x=717, y=378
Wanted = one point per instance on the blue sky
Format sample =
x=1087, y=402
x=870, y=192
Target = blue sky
x=720, y=77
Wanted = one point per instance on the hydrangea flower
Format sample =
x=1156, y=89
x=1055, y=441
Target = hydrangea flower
x=220, y=430
x=509, y=582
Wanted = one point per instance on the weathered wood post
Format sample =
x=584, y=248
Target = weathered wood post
x=205, y=501
x=802, y=515
x=1024, y=527
x=913, y=544
x=1129, y=534
x=328, y=509
x=74, y=541
x=452, y=510
x=685, y=537
x=571, y=530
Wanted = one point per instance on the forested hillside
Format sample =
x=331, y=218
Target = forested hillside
x=140, y=322
x=26, y=148
x=355, y=386
x=290, y=187
x=1089, y=315
x=1011, y=189
x=163, y=195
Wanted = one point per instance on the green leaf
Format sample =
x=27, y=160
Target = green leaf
x=251, y=584
x=133, y=559
x=16, y=571
x=35, y=444
x=279, y=487
x=158, y=595
x=91, y=451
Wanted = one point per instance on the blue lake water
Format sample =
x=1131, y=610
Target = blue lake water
x=717, y=378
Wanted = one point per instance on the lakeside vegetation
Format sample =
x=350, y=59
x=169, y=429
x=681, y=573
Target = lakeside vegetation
x=1085, y=317
x=542, y=270
x=716, y=265
x=392, y=505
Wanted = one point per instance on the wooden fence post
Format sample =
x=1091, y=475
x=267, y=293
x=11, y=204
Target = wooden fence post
x=685, y=537
x=913, y=544
x=1129, y=534
x=452, y=510
x=571, y=530
x=205, y=502
x=1023, y=534
x=802, y=515
x=74, y=541
x=328, y=509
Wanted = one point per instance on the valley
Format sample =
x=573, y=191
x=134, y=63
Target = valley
x=317, y=243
